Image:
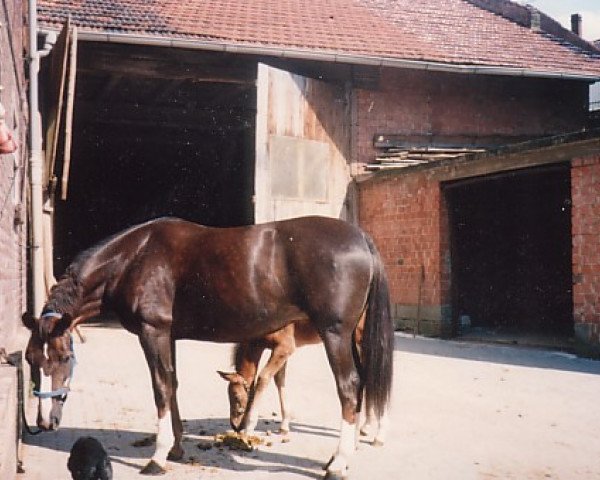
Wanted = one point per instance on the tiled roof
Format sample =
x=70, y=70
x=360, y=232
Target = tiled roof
x=456, y=32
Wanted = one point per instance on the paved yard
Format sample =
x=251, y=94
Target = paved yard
x=460, y=411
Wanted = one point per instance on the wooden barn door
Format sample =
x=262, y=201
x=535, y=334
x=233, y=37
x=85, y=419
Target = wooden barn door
x=302, y=146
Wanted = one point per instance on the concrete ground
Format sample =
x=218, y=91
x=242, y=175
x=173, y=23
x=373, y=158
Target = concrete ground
x=460, y=411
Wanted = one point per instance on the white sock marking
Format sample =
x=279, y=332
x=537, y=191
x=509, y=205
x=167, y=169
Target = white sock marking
x=164, y=439
x=345, y=447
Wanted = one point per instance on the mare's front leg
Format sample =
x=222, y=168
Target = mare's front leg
x=157, y=349
x=341, y=359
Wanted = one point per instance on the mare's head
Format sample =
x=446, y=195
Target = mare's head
x=51, y=357
x=239, y=396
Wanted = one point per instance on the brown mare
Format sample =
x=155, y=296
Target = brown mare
x=169, y=279
x=246, y=385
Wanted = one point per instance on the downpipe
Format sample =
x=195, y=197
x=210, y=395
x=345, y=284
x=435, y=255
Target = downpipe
x=36, y=164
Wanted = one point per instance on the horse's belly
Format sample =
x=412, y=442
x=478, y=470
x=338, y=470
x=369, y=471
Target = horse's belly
x=235, y=326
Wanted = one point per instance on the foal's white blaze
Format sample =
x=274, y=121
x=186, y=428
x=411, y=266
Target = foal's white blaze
x=346, y=447
x=164, y=439
x=45, y=403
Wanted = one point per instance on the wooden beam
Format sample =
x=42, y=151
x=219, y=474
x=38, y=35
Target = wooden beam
x=162, y=64
x=69, y=114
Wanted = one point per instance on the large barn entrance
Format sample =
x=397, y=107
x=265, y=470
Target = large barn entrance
x=510, y=242
x=215, y=138
x=156, y=132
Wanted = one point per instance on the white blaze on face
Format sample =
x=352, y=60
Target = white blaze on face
x=45, y=386
x=164, y=439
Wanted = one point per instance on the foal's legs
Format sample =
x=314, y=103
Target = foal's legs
x=279, y=355
x=339, y=352
x=157, y=349
x=286, y=414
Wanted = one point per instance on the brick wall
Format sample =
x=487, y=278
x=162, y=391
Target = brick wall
x=420, y=103
x=406, y=216
x=585, y=188
x=12, y=233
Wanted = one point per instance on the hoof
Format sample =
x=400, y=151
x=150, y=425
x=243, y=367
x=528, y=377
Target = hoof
x=363, y=432
x=343, y=475
x=153, y=468
x=175, y=454
x=377, y=443
x=283, y=431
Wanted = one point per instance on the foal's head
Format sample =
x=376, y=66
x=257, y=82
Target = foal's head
x=239, y=396
x=51, y=357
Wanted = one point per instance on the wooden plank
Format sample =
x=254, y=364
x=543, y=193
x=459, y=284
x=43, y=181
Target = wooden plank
x=58, y=73
x=408, y=142
x=545, y=151
x=69, y=114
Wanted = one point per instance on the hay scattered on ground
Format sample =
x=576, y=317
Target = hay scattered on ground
x=238, y=441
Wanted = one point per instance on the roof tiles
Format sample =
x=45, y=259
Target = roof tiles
x=444, y=31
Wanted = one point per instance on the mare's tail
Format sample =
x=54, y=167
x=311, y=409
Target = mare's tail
x=377, y=344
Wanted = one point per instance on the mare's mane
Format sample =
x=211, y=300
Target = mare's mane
x=66, y=293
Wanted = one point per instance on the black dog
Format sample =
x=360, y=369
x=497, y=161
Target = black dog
x=89, y=460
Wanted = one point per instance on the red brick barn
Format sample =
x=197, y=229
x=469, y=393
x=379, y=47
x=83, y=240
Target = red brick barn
x=13, y=229
x=13, y=160
x=232, y=112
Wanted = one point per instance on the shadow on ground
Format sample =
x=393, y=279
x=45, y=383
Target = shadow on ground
x=502, y=354
x=123, y=446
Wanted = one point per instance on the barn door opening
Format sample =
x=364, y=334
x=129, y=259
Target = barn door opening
x=302, y=145
x=157, y=132
x=511, y=252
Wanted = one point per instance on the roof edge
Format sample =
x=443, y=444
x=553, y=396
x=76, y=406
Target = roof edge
x=325, y=56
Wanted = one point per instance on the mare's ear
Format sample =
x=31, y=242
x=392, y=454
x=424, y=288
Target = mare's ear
x=29, y=321
x=53, y=326
x=62, y=324
x=229, y=377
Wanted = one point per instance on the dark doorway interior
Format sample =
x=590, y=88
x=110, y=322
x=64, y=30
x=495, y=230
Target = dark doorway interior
x=511, y=251
x=157, y=132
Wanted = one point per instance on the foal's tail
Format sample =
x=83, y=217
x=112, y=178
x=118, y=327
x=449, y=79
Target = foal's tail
x=377, y=344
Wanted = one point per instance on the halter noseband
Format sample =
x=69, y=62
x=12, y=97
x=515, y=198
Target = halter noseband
x=62, y=391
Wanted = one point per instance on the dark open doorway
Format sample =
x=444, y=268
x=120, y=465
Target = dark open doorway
x=510, y=241
x=157, y=132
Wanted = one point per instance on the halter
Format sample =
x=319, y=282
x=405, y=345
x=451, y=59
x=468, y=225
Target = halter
x=62, y=391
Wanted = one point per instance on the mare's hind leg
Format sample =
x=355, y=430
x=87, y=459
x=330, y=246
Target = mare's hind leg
x=341, y=359
x=279, y=355
x=286, y=413
x=157, y=349
x=375, y=426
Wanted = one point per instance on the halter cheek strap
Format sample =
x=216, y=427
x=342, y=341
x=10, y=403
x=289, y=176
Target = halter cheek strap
x=62, y=391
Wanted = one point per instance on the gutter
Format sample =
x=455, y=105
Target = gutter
x=327, y=56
